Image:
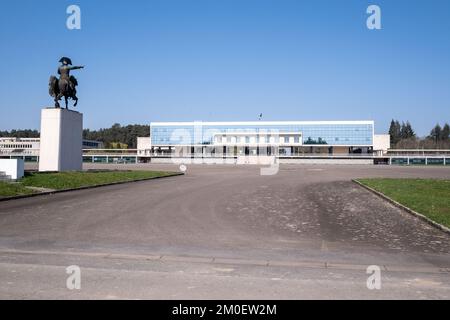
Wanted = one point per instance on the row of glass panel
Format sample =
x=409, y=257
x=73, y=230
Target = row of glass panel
x=105, y=159
x=421, y=161
x=354, y=134
x=223, y=139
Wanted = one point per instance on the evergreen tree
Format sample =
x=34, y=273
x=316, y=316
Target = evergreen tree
x=408, y=131
x=398, y=131
x=395, y=132
x=445, y=132
x=436, y=133
x=403, y=131
x=392, y=133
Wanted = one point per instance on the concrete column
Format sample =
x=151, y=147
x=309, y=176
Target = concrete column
x=61, y=140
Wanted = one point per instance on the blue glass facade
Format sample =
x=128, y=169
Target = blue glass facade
x=346, y=133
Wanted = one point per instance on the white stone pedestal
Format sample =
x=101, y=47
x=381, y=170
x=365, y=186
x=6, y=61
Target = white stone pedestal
x=61, y=140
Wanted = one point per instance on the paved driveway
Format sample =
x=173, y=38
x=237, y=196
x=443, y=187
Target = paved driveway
x=225, y=232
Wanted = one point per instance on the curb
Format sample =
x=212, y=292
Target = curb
x=86, y=187
x=405, y=208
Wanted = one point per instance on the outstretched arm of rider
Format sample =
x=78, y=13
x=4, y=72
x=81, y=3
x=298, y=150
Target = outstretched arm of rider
x=76, y=67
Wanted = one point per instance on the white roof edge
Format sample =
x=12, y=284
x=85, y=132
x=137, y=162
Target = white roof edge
x=230, y=123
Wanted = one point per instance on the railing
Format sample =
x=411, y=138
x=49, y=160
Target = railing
x=231, y=155
x=392, y=153
x=19, y=152
x=35, y=152
x=132, y=152
x=418, y=152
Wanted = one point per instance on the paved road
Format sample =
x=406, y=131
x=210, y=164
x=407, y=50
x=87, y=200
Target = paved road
x=225, y=232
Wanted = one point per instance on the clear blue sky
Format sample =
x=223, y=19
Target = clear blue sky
x=177, y=60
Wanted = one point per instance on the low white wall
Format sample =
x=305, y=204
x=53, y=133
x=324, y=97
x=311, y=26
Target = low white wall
x=258, y=160
x=12, y=167
x=325, y=161
x=193, y=161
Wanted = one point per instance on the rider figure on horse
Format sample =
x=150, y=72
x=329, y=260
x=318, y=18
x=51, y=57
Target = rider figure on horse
x=66, y=85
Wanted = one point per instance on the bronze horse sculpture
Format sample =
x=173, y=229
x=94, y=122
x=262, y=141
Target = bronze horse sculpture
x=65, y=86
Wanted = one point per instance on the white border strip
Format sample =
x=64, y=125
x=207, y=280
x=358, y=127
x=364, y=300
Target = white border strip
x=260, y=123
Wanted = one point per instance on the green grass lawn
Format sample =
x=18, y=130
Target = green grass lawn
x=69, y=180
x=430, y=197
x=13, y=189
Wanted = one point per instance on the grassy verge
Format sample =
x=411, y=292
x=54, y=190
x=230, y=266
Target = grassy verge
x=430, y=197
x=13, y=189
x=70, y=180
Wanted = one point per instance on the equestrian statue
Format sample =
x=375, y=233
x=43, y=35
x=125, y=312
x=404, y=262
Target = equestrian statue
x=65, y=86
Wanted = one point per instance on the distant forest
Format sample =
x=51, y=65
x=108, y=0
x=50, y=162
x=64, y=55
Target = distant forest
x=114, y=137
x=27, y=133
x=118, y=136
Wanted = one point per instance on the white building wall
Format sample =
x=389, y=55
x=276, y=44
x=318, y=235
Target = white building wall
x=31, y=146
x=144, y=146
x=381, y=143
x=22, y=146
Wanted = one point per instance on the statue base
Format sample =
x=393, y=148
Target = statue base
x=61, y=146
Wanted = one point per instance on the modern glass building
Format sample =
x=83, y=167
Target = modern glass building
x=288, y=138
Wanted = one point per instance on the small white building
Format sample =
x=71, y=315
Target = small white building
x=28, y=148
x=21, y=147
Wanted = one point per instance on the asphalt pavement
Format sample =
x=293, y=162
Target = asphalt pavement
x=225, y=232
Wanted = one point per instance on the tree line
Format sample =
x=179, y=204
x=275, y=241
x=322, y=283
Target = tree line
x=26, y=133
x=118, y=136
x=403, y=136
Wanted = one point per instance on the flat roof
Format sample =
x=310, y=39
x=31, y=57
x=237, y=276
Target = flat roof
x=255, y=123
